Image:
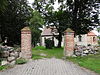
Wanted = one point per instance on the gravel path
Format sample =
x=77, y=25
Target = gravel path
x=51, y=66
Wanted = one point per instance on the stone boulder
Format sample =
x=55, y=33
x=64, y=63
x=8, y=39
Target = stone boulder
x=84, y=51
x=12, y=63
x=14, y=54
x=5, y=54
x=12, y=58
x=4, y=62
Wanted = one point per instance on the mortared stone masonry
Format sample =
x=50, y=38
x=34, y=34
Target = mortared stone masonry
x=26, y=43
x=68, y=42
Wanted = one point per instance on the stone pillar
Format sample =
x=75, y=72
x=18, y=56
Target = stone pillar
x=68, y=42
x=26, y=43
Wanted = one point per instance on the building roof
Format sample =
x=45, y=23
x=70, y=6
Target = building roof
x=49, y=32
x=46, y=32
x=91, y=34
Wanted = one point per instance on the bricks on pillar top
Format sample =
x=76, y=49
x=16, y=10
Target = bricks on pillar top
x=68, y=42
x=26, y=43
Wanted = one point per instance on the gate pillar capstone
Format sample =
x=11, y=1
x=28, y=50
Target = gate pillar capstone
x=68, y=42
x=26, y=43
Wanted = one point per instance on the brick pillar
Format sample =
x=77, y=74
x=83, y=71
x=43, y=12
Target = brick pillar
x=69, y=42
x=26, y=43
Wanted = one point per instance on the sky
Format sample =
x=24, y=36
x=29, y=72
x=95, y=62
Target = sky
x=55, y=7
x=30, y=1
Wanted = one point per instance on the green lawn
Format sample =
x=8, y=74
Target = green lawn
x=41, y=52
x=91, y=62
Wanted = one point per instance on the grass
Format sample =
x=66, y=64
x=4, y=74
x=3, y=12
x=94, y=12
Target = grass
x=18, y=61
x=91, y=62
x=41, y=52
x=21, y=61
x=4, y=67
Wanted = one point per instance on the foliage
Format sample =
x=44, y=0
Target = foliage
x=91, y=62
x=77, y=15
x=3, y=4
x=50, y=53
x=49, y=43
x=21, y=61
x=98, y=29
x=99, y=40
x=58, y=19
x=36, y=22
x=4, y=67
x=13, y=19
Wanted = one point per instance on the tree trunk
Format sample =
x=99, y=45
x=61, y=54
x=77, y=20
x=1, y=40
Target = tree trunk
x=0, y=38
x=59, y=40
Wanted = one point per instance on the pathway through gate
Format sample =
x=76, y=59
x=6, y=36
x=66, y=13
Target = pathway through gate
x=26, y=43
x=51, y=66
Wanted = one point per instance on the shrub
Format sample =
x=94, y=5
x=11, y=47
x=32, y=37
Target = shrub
x=4, y=67
x=49, y=43
x=21, y=61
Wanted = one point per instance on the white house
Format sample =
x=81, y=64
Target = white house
x=85, y=40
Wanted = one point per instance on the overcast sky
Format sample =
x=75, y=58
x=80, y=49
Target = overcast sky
x=30, y=1
x=55, y=6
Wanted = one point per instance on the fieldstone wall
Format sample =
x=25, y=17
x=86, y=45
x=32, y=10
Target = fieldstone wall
x=69, y=42
x=85, y=50
x=8, y=55
x=26, y=43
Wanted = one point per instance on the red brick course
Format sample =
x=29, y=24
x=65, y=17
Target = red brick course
x=69, y=43
x=26, y=43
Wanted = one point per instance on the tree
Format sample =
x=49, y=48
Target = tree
x=98, y=29
x=79, y=14
x=3, y=4
x=36, y=22
x=83, y=15
x=13, y=19
x=58, y=20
